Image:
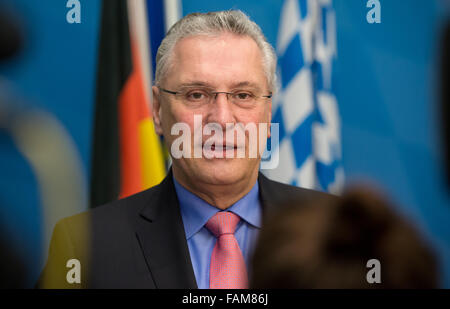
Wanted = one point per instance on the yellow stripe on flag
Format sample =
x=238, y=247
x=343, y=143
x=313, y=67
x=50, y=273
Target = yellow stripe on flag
x=152, y=158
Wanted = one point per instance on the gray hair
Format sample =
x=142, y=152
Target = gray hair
x=214, y=23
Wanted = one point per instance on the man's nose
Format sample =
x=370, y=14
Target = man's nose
x=221, y=110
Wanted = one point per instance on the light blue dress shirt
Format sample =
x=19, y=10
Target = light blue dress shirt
x=195, y=212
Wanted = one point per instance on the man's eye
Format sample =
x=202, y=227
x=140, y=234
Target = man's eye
x=243, y=96
x=196, y=95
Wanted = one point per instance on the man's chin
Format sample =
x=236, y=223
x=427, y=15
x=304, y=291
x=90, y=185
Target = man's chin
x=223, y=171
x=216, y=171
x=223, y=179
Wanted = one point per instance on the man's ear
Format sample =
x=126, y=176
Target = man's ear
x=156, y=111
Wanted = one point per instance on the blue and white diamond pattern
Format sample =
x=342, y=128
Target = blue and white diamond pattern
x=309, y=153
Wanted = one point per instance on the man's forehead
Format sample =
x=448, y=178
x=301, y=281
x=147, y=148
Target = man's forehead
x=216, y=47
x=219, y=57
x=217, y=39
x=232, y=84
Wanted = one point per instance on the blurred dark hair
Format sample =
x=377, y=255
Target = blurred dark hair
x=327, y=244
x=11, y=36
x=12, y=268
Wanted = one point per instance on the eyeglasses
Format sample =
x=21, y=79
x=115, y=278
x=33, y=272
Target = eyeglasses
x=201, y=96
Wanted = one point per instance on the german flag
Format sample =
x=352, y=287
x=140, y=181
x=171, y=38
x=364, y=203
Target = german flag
x=127, y=154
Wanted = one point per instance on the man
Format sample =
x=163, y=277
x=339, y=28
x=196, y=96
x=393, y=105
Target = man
x=215, y=72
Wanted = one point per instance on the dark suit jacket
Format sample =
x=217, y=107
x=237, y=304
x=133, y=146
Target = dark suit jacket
x=139, y=241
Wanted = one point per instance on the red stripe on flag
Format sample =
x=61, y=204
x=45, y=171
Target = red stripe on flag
x=133, y=108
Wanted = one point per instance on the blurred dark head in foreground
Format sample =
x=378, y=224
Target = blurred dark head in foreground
x=328, y=244
x=11, y=39
x=12, y=270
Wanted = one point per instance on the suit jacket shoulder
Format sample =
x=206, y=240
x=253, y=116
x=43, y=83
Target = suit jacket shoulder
x=135, y=242
x=275, y=194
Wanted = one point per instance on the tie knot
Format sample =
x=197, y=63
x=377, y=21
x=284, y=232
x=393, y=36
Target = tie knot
x=223, y=222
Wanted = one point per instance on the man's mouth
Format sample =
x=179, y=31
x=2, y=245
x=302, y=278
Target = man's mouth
x=222, y=147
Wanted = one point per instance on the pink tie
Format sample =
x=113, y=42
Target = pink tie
x=227, y=270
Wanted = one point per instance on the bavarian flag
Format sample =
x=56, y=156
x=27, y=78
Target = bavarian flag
x=127, y=154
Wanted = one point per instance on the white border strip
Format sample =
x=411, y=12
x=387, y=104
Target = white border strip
x=137, y=18
x=173, y=11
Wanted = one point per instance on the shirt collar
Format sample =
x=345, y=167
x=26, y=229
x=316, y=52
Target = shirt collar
x=195, y=212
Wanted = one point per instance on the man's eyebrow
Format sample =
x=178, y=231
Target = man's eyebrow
x=207, y=85
x=196, y=84
x=245, y=84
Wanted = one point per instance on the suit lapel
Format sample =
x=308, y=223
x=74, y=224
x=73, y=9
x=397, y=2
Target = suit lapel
x=162, y=238
x=268, y=196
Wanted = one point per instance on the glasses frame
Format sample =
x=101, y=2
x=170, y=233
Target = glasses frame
x=215, y=93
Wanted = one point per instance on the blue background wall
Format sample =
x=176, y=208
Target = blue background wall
x=386, y=92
